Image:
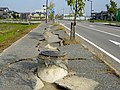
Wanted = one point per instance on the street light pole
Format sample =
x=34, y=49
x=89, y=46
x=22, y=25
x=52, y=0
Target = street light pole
x=63, y=11
x=91, y=7
x=46, y=11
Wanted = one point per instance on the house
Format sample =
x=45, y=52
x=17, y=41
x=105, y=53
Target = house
x=13, y=14
x=42, y=12
x=38, y=15
x=25, y=16
x=103, y=15
x=117, y=17
x=95, y=16
x=4, y=12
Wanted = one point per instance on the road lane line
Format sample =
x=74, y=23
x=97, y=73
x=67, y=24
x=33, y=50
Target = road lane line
x=107, y=53
x=107, y=27
x=91, y=26
x=99, y=31
x=116, y=43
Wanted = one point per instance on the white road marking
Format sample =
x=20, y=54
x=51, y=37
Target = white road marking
x=100, y=31
x=115, y=29
x=116, y=43
x=91, y=26
x=107, y=53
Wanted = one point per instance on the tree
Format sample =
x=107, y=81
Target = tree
x=112, y=8
x=77, y=7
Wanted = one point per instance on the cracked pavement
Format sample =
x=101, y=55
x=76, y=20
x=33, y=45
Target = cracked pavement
x=18, y=63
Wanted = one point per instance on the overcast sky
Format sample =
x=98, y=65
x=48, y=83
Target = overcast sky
x=60, y=5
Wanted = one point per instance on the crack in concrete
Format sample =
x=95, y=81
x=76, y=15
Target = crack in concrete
x=9, y=64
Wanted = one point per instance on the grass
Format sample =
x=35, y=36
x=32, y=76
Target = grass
x=58, y=27
x=104, y=21
x=113, y=23
x=98, y=21
x=55, y=24
x=10, y=32
x=67, y=41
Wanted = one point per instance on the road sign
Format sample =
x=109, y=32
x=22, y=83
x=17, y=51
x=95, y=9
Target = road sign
x=53, y=11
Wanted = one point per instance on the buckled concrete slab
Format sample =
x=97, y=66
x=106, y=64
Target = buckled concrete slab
x=77, y=83
x=52, y=73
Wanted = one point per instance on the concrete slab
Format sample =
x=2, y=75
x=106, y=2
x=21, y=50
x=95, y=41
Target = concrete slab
x=75, y=51
x=53, y=39
x=39, y=84
x=15, y=80
x=77, y=83
x=61, y=33
x=52, y=73
x=49, y=47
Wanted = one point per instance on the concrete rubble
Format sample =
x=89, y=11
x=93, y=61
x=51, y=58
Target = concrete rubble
x=39, y=84
x=77, y=83
x=51, y=64
x=53, y=70
x=52, y=73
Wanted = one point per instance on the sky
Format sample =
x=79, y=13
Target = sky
x=60, y=5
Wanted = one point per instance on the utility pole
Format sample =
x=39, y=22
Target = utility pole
x=46, y=11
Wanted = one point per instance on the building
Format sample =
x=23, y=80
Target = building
x=25, y=16
x=71, y=17
x=117, y=17
x=103, y=15
x=13, y=14
x=38, y=14
x=4, y=12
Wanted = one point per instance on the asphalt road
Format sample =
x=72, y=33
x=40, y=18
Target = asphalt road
x=104, y=37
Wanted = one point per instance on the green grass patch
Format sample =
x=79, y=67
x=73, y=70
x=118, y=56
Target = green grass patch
x=99, y=21
x=55, y=24
x=10, y=32
x=104, y=21
x=67, y=41
x=60, y=28
x=115, y=23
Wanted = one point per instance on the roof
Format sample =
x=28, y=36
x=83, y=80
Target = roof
x=3, y=8
x=104, y=11
x=118, y=9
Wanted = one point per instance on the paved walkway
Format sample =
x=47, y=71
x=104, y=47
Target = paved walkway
x=23, y=48
x=19, y=75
